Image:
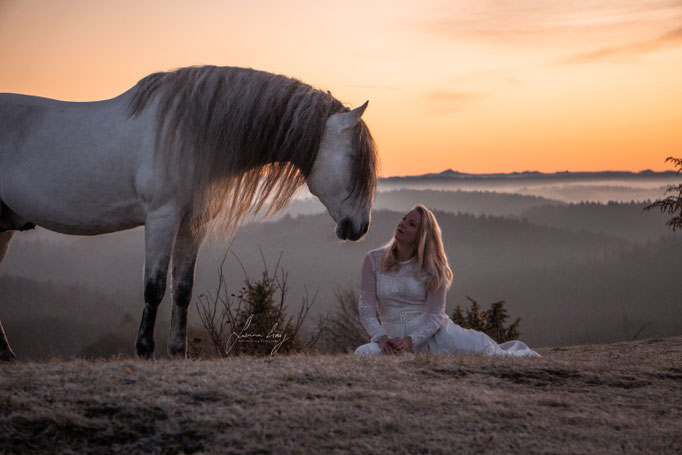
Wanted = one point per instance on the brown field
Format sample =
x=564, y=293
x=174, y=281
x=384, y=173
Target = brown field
x=612, y=398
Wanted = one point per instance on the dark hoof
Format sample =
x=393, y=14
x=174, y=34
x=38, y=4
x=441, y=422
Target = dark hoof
x=177, y=352
x=144, y=349
x=7, y=356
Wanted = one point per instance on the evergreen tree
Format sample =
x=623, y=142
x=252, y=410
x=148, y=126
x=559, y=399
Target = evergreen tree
x=671, y=204
x=475, y=318
x=491, y=322
x=458, y=317
x=261, y=326
x=252, y=322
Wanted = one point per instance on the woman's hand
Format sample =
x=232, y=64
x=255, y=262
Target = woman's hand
x=386, y=345
x=402, y=344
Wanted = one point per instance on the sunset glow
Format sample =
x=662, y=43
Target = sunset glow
x=472, y=86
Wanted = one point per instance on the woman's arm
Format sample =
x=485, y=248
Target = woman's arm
x=435, y=319
x=367, y=305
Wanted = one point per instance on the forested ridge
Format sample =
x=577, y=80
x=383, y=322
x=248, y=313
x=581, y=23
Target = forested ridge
x=574, y=273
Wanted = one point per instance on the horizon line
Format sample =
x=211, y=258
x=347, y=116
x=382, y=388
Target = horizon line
x=451, y=172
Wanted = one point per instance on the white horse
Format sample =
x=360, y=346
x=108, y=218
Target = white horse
x=179, y=153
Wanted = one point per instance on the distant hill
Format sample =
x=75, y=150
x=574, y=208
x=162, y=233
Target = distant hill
x=449, y=174
x=574, y=273
x=474, y=202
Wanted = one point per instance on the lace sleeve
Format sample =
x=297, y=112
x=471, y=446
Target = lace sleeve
x=367, y=305
x=436, y=317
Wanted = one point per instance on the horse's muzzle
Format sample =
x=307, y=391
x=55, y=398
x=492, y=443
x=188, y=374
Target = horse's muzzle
x=345, y=230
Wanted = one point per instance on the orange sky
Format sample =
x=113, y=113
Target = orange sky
x=476, y=86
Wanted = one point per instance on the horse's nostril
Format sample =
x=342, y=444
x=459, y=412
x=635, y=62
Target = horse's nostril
x=344, y=229
x=364, y=228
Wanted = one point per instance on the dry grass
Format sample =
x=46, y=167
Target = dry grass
x=622, y=397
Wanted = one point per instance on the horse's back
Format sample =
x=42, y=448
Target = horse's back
x=31, y=124
x=19, y=114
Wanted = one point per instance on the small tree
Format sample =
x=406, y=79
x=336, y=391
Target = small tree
x=475, y=318
x=495, y=318
x=253, y=321
x=673, y=203
x=458, y=317
x=491, y=322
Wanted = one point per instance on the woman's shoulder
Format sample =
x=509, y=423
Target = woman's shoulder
x=376, y=254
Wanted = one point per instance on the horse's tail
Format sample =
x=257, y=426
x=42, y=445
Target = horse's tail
x=6, y=352
x=5, y=238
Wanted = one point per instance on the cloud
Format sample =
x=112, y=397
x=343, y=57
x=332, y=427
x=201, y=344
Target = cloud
x=447, y=101
x=494, y=76
x=534, y=24
x=670, y=39
x=374, y=87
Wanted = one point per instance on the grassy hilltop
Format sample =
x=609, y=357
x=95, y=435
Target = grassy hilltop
x=621, y=397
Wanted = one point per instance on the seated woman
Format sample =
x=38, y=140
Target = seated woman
x=408, y=279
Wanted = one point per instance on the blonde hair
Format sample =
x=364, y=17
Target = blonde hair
x=431, y=257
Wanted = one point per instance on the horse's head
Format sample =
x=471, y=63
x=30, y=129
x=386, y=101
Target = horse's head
x=343, y=176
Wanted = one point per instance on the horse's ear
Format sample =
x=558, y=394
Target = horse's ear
x=350, y=119
x=360, y=110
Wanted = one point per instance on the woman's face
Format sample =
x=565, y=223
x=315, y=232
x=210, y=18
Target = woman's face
x=406, y=232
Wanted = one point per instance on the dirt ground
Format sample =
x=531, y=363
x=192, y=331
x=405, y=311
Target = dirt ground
x=613, y=398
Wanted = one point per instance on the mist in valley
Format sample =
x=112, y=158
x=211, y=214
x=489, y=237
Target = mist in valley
x=575, y=267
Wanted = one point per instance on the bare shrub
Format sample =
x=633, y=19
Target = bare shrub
x=341, y=331
x=252, y=321
x=491, y=322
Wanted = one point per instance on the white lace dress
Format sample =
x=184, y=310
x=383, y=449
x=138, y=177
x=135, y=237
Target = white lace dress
x=406, y=308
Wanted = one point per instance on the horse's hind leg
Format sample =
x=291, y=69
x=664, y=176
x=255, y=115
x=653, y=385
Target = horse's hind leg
x=182, y=281
x=6, y=352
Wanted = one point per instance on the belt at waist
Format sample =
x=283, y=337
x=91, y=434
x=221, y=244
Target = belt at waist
x=402, y=317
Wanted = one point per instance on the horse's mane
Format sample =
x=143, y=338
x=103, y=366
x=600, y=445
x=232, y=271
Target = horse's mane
x=250, y=136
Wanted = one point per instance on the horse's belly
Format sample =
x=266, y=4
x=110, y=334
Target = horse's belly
x=71, y=201
x=90, y=214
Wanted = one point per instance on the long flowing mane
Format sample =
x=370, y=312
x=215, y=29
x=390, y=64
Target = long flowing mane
x=251, y=138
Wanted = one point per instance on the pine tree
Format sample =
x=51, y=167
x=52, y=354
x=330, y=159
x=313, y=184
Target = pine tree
x=458, y=317
x=494, y=320
x=491, y=322
x=253, y=321
x=474, y=317
x=671, y=204
x=260, y=325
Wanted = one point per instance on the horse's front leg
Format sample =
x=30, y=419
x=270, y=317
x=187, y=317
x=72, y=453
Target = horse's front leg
x=182, y=281
x=161, y=228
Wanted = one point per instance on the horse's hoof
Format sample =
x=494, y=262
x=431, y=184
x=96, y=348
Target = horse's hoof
x=145, y=349
x=177, y=352
x=177, y=347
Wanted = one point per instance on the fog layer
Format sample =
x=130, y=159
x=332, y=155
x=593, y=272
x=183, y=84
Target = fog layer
x=574, y=273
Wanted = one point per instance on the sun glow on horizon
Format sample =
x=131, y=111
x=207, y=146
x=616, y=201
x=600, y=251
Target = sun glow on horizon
x=476, y=87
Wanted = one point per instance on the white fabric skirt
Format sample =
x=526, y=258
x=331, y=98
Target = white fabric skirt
x=451, y=338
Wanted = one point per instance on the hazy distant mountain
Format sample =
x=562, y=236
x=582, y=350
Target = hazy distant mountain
x=449, y=174
x=571, y=187
x=574, y=273
x=474, y=202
